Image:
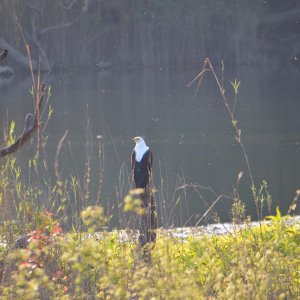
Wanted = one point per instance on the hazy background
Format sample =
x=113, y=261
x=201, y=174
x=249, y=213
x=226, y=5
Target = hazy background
x=124, y=66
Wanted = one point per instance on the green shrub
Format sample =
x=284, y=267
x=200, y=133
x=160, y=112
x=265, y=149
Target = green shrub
x=250, y=263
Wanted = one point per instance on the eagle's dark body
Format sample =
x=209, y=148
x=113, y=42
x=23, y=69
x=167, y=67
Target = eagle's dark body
x=142, y=173
x=142, y=169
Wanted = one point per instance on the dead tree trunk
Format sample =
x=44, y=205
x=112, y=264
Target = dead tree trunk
x=148, y=223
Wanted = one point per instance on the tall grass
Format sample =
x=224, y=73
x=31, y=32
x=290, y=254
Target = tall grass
x=254, y=263
x=89, y=262
x=260, y=194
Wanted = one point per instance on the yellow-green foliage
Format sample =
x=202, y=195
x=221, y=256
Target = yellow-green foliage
x=253, y=263
x=93, y=217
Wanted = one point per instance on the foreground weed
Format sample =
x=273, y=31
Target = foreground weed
x=250, y=263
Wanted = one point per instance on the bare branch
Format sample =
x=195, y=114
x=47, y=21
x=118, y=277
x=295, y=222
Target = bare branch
x=32, y=123
x=42, y=52
x=59, y=26
x=35, y=8
x=69, y=6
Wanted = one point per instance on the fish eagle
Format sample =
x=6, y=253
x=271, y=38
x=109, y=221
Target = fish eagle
x=141, y=163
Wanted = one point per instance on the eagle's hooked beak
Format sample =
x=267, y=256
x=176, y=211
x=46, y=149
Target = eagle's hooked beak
x=135, y=139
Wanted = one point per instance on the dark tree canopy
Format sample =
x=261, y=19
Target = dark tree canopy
x=99, y=34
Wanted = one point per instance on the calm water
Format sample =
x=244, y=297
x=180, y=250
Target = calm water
x=191, y=137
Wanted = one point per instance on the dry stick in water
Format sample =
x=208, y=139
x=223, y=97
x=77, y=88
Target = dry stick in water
x=101, y=167
x=58, y=149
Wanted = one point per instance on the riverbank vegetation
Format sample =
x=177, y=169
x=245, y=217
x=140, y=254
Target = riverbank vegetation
x=40, y=259
x=54, y=243
x=253, y=263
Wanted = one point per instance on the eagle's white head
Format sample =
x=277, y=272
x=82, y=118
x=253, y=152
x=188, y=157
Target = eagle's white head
x=140, y=148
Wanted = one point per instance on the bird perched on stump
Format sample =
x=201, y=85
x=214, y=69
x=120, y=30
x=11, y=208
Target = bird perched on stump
x=141, y=164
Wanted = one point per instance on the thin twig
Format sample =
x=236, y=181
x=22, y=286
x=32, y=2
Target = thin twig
x=231, y=115
x=209, y=209
x=101, y=167
x=229, y=110
x=27, y=51
x=58, y=149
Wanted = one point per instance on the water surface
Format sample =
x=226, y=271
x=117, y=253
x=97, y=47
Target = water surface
x=191, y=137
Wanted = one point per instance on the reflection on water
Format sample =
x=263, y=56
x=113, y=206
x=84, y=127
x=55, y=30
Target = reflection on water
x=191, y=137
